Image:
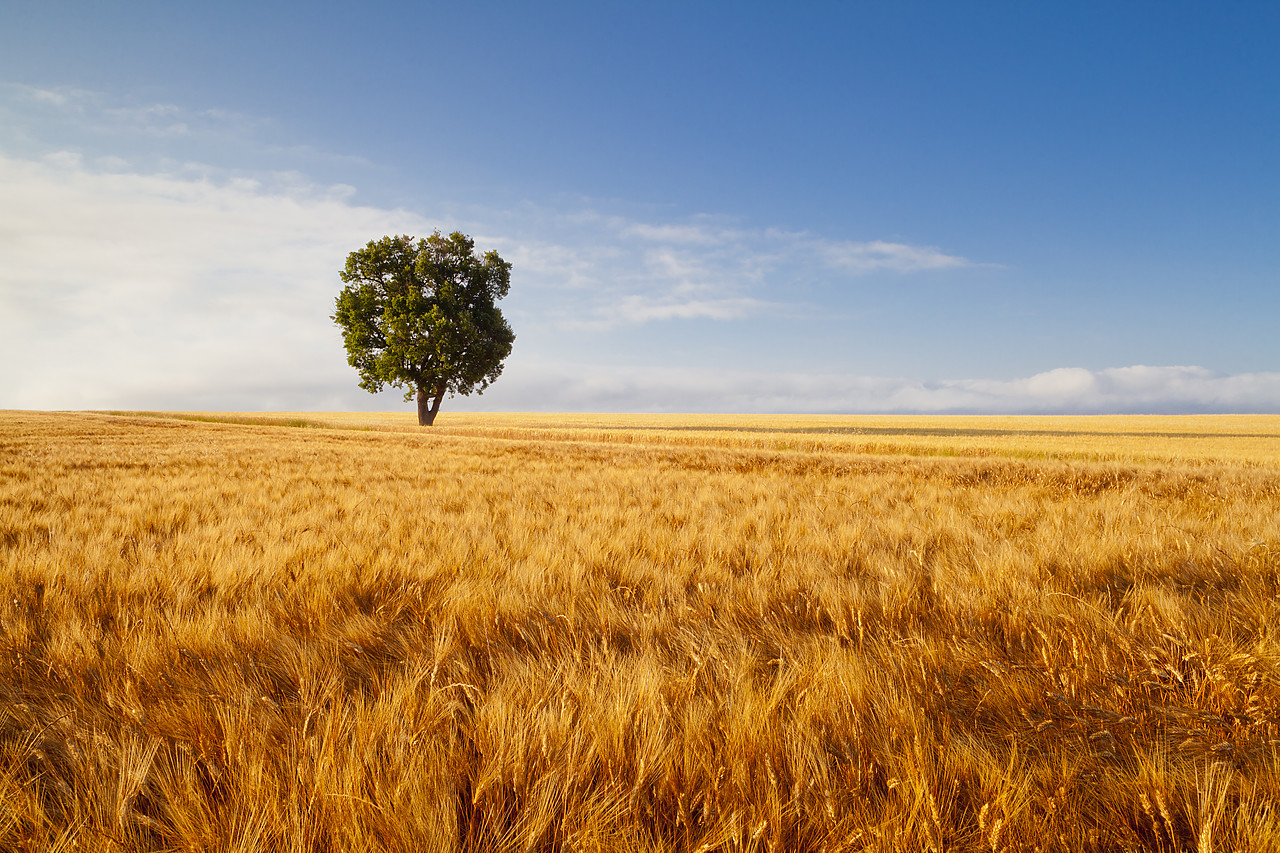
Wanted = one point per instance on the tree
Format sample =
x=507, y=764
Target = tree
x=420, y=315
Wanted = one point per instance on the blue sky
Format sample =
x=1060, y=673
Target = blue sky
x=827, y=207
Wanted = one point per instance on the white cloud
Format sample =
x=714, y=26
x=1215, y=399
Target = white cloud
x=117, y=286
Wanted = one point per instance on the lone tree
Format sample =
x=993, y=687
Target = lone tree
x=420, y=315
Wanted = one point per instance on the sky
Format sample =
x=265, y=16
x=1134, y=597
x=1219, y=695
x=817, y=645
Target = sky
x=828, y=207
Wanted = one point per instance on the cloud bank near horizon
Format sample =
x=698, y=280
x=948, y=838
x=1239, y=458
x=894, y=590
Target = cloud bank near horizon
x=1138, y=389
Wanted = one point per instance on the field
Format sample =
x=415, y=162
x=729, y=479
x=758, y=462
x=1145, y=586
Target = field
x=310, y=632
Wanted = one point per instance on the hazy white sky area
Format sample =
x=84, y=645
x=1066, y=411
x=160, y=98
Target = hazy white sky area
x=1048, y=227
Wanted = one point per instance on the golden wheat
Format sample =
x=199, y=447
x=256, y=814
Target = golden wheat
x=309, y=632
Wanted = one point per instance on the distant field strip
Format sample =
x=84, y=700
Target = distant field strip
x=1193, y=439
x=313, y=631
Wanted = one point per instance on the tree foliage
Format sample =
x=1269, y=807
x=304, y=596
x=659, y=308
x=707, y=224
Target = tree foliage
x=422, y=315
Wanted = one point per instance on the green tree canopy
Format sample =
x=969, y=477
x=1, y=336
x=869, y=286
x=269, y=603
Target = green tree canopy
x=421, y=315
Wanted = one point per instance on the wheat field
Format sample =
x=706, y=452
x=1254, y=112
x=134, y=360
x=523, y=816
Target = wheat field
x=313, y=632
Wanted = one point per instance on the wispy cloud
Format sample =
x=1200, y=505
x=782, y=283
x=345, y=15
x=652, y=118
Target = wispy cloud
x=862, y=258
x=677, y=235
x=780, y=247
x=614, y=271
x=150, y=136
x=93, y=114
x=638, y=309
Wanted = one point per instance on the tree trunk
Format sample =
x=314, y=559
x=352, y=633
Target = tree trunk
x=428, y=406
